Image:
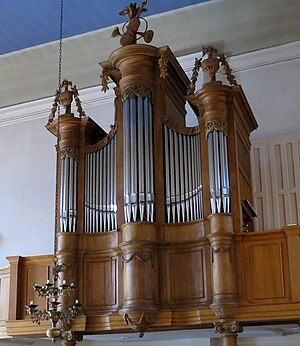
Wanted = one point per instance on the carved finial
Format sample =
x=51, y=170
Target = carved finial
x=64, y=97
x=130, y=33
x=210, y=65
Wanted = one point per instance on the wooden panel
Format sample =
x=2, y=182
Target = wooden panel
x=267, y=271
x=186, y=277
x=100, y=288
x=266, y=268
x=32, y=274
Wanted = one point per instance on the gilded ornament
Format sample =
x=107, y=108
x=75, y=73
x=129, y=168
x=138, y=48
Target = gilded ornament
x=216, y=125
x=69, y=152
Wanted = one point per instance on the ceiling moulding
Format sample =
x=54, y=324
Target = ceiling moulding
x=93, y=97
x=90, y=97
x=252, y=60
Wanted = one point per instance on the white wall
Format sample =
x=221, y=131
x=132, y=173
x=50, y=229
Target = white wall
x=27, y=189
x=28, y=171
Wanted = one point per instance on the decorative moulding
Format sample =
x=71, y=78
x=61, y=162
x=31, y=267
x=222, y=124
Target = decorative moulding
x=90, y=97
x=93, y=97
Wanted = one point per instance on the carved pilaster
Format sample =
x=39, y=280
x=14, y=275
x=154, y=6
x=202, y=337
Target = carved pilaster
x=140, y=275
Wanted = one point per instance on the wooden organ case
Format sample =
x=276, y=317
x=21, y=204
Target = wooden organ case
x=143, y=208
x=150, y=216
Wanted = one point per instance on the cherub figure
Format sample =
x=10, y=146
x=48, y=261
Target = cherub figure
x=130, y=35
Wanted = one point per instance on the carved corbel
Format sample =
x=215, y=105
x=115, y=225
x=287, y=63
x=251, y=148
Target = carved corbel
x=139, y=321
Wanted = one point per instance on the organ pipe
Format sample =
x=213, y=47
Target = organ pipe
x=100, y=189
x=138, y=159
x=218, y=172
x=68, y=190
x=183, y=186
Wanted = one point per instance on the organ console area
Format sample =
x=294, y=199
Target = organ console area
x=151, y=216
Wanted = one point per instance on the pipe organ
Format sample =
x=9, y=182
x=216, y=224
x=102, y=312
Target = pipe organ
x=150, y=216
x=153, y=197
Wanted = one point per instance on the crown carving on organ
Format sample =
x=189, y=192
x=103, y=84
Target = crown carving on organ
x=210, y=63
x=130, y=32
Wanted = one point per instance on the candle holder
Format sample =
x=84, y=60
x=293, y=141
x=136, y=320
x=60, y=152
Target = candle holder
x=61, y=318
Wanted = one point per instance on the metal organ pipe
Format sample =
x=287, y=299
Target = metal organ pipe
x=151, y=158
x=133, y=161
x=218, y=172
x=100, y=189
x=182, y=176
x=138, y=159
x=141, y=159
x=68, y=191
x=126, y=120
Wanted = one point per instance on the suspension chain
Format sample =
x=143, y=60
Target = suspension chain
x=57, y=214
x=60, y=43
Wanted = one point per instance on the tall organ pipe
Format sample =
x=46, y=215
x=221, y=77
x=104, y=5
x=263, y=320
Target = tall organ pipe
x=68, y=192
x=218, y=172
x=138, y=159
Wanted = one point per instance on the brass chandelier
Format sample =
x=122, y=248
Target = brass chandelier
x=61, y=318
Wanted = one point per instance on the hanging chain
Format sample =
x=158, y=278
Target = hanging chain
x=60, y=43
x=57, y=214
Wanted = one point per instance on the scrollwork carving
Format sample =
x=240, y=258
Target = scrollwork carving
x=230, y=327
x=138, y=90
x=216, y=125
